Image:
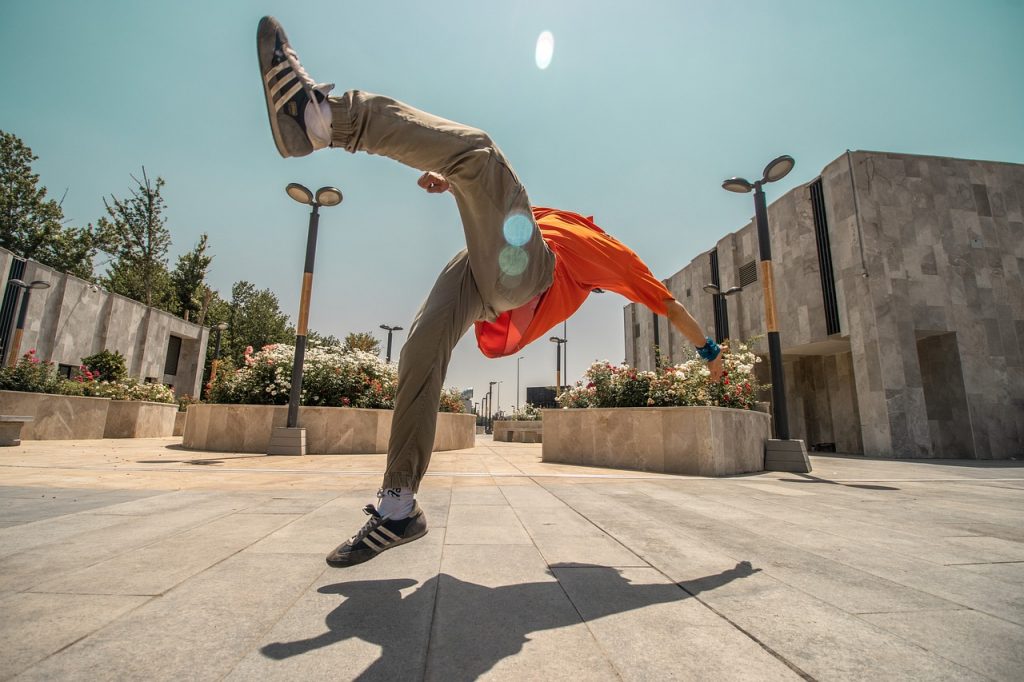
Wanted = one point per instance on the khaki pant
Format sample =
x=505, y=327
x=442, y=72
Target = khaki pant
x=504, y=265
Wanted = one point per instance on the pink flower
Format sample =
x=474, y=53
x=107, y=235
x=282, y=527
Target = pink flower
x=248, y=350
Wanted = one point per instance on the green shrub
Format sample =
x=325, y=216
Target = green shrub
x=110, y=366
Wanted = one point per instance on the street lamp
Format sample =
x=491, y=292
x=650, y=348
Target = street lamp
x=721, y=308
x=219, y=328
x=15, y=339
x=777, y=169
x=558, y=340
x=325, y=196
x=14, y=343
x=517, y=379
x=490, y=403
x=389, y=330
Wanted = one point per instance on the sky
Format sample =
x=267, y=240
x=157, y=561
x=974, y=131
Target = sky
x=644, y=109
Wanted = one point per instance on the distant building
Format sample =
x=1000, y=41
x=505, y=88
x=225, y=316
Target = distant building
x=541, y=396
x=74, y=319
x=900, y=295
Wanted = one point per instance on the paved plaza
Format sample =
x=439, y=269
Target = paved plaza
x=137, y=559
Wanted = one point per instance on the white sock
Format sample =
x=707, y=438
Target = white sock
x=395, y=503
x=318, y=124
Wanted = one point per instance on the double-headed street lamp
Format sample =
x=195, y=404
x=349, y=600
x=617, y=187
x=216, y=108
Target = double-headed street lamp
x=777, y=169
x=14, y=339
x=558, y=341
x=719, y=298
x=325, y=196
x=389, y=330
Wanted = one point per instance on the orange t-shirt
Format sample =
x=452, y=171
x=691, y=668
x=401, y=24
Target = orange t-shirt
x=586, y=258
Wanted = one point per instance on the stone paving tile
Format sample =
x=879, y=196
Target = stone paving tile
x=502, y=615
x=564, y=537
x=198, y=631
x=370, y=621
x=984, y=644
x=26, y=507
x=70, y=543
x=157, y=567
x=650, y=629
x=34, y=626
x=318, y=531
x=472, y=524
x=488, y=496
x=1012, y=574
x=776, y=614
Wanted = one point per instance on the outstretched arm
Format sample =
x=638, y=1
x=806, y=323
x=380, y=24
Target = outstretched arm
x=682, y=320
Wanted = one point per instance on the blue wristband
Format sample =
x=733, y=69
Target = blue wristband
x=709, y=351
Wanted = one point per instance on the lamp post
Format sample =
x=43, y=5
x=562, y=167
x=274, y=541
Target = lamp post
x=490, y=403
x=777, y=169
x=219, y=328
x=389, y=330
x=517, y=380
x=294, y=442
x=15, y=338
x=558, y=340
x=719, y=298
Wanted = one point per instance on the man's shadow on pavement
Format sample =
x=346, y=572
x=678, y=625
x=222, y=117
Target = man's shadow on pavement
x=476, y=626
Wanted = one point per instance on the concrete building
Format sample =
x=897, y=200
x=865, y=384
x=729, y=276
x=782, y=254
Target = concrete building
x=74, y=319
x=900, y=286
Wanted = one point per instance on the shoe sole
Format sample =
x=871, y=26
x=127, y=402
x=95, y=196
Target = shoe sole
x=290, y=138
x=403, y=541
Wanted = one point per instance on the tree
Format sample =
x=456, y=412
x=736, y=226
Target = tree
x=189, y=280
x=315, y=339
x=254, y=319
x=134, y=233
x=32, y=225
x=362, y=341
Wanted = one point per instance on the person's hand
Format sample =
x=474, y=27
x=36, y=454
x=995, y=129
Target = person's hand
x=434, y=183
x=716, y=368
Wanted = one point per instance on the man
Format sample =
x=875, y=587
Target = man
x=524, y=269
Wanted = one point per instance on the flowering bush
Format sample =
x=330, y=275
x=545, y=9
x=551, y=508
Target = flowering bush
x=106, y=366
x=688, y=383
x=526, y=413
x=128, y=389
x=331, y=377
x=451, y=401
x=32, y=375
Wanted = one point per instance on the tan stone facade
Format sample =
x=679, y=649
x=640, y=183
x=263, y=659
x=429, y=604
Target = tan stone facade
x=74, y=319
x=926, y=354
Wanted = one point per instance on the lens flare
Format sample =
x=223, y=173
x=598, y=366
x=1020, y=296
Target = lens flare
x=545, y=50
x=513, y=260
x=518, y=229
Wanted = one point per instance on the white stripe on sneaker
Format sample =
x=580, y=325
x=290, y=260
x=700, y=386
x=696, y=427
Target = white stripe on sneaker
x=391, y=535
x=287, y=79
x=286, y=97
x=273, y=71
x=372, y=545
x=380, y=538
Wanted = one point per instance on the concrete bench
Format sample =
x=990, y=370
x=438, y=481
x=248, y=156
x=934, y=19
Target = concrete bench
x=10, y=429
x=519, y=431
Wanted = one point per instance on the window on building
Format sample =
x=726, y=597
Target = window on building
x=66, y=371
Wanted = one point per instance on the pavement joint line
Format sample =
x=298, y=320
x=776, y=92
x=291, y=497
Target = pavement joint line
x=437, y=589
x=985, y=563
x=638, y=475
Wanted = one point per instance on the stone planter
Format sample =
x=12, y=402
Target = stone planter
x=179, y=423
x=698, y=441
x=509, y=431
x=57, y=417
x=329, y=430
x=140, y=419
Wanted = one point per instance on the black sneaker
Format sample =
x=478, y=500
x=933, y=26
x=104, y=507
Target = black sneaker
x=287, y=88
x=377, y=535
